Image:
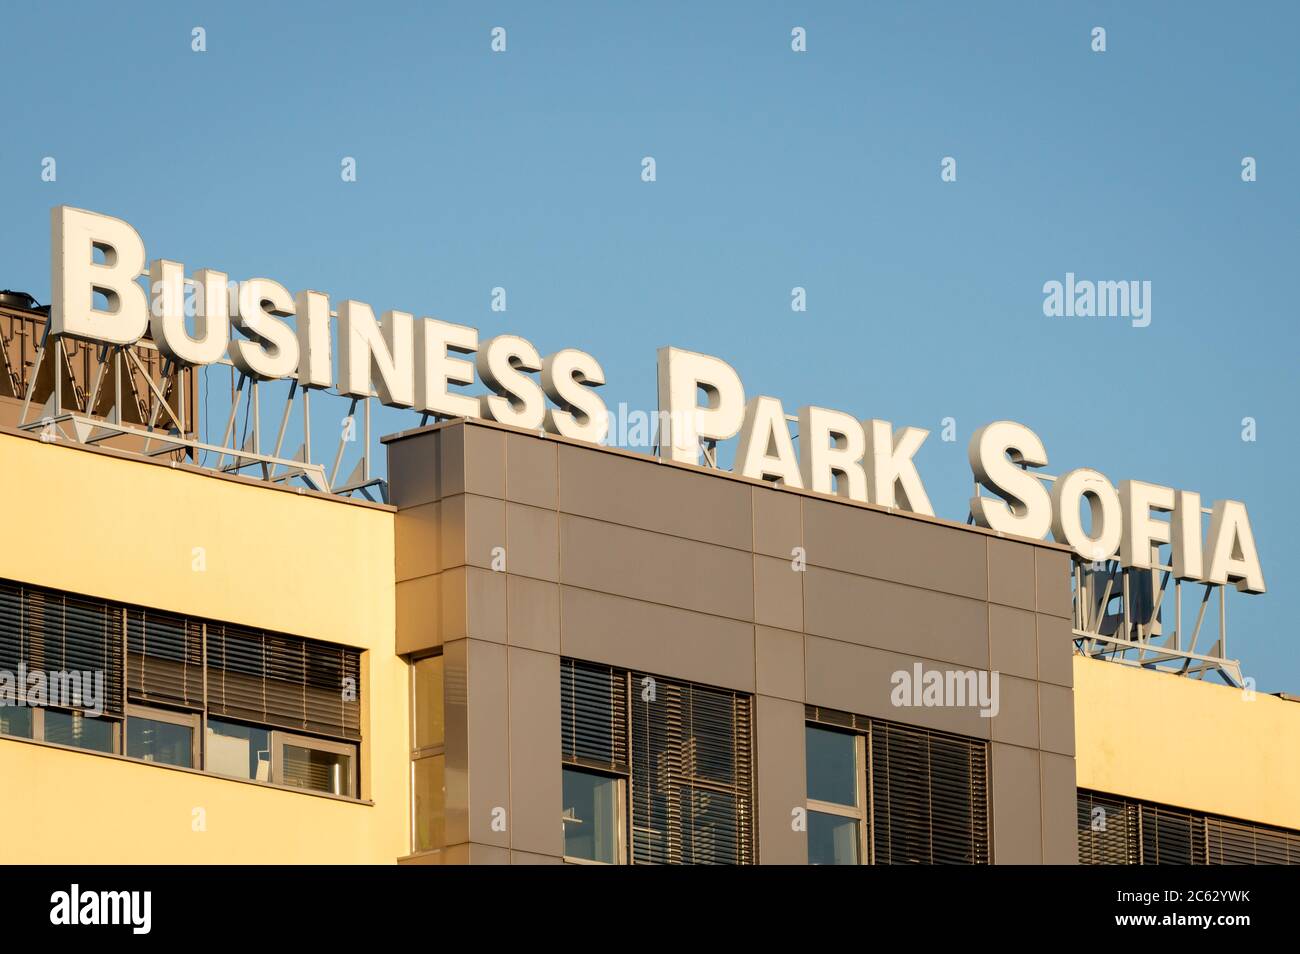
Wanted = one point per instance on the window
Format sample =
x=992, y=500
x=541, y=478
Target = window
x=313, y=763
x=885, y=793
x=428, y=700
x=594, y=736
x=156, y=735
x=72, y=728
x=241, y=751
x=836, y=796
x=680, y=753
x=833, y=839
x=692, y=773
x=164, y=659
x=283, y=681
x=430, y=801
x=16, y=720
x=1121, y=831
x=1172, y=837
x=930, y=802
x=69, y=639
x=428, y=759
x=592, y=816
x=73, y=648
x=118, y=678
x=79, y=730
x=1229, y=842
x=271, y=755
x=1107, y=831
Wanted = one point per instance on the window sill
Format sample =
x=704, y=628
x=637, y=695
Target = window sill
x=189, y=771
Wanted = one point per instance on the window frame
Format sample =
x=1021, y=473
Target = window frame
x=280, y=738
x=622, y=784
x=863, y=812
x=194, y=721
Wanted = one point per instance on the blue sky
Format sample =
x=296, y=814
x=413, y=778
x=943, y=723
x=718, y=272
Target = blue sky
x=775, y=169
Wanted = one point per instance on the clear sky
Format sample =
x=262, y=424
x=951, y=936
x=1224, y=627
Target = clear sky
x=775, y=169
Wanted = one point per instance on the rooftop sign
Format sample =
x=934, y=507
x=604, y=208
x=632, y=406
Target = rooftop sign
x=410, y=362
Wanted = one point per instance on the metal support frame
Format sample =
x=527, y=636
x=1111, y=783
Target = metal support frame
x=1137, y=632
x=165, y=429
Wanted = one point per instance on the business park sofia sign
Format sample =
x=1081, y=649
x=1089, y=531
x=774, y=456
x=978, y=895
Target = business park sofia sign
x=411, y=362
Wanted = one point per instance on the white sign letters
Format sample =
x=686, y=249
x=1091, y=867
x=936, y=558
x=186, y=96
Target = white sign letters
x=409, y=362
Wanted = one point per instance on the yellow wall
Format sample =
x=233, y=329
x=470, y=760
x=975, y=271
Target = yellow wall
x=68, y=807
x=1187, y=743
x=122, y=529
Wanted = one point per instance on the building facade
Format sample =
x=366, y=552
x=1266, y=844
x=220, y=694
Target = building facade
x=591, y=603
x=543, y=651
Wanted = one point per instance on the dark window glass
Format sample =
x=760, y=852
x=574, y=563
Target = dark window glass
x=591, y=813
x=16, y=720
x=832, y=766
x=73, y=728
x=156, y=741
x=832, y=839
